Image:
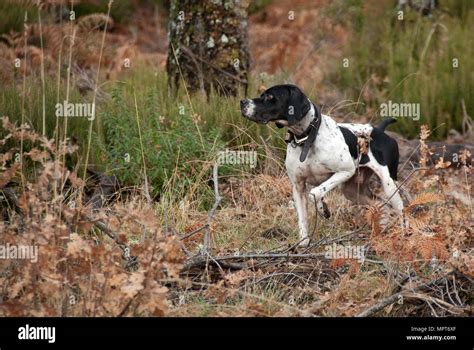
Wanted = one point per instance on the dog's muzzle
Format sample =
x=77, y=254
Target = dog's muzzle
x=247, y=107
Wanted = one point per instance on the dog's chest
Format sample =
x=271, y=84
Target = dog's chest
x=329, y=154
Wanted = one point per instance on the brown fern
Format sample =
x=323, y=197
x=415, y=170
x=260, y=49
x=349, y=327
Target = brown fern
x=95, y=21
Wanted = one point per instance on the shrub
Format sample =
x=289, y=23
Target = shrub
x=172, y=143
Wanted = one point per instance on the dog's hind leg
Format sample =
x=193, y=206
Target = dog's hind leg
x=389, y=187
x=357, y=188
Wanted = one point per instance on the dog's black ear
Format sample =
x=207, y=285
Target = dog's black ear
x=297, y=107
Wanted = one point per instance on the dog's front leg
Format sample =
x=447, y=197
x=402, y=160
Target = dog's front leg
x=335, y=180
x=301, y=205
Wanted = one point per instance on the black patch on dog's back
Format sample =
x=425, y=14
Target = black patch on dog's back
x=351, y=141
x=382, y=146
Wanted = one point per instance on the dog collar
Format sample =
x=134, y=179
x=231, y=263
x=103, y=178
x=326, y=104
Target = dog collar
x=307, y=137
x=301, y=139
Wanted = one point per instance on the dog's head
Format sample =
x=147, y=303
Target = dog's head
x=284, y=104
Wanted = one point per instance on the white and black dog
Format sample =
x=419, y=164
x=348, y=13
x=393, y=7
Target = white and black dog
x=323, y=154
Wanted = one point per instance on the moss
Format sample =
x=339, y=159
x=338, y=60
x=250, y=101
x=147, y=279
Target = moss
x=257, y=5
x=205, y=21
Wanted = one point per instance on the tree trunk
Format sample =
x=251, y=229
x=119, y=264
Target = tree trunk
x=208, y=45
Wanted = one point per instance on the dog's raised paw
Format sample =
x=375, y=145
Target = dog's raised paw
x=326, y=212
x=323, y=209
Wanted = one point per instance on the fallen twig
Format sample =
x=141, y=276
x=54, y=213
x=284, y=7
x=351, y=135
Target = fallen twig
x=193, y=232
x=131, y=260
x=453, y=309
x=397, y=296
x=201, y=260
x=217, y=201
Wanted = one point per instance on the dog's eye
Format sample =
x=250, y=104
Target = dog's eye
x=269, y=97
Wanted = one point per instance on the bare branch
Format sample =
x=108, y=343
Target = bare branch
x=394, y=297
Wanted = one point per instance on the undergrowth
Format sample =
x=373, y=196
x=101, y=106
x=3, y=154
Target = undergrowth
x=80, y=270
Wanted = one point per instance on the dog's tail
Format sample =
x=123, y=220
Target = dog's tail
x=385, y=123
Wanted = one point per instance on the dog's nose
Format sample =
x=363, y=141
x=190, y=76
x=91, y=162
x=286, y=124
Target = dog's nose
x=243, y=103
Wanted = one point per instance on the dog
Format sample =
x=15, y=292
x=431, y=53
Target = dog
x=322, y=154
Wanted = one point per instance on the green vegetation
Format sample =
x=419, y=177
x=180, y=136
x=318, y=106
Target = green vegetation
x=12, y=15
x=403, y=61
x=120, y=11
x=181, y=137
x=409, y=61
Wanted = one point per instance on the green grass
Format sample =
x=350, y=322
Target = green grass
x=12, y=12
x=11, y=106
x=412, y=61
x=12, y=16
